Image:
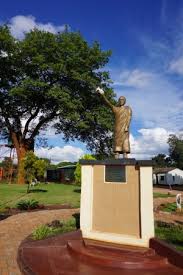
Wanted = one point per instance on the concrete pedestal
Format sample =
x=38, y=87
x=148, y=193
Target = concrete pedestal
x=117, y=201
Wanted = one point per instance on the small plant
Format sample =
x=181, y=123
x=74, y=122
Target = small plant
x=54, y=228
x=27, y=204
x=42, y=232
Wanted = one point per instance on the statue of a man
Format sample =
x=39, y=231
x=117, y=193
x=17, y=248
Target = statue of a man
x=122, y=116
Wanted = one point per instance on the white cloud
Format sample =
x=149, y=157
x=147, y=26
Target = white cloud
x=156, y=103
x=135, y=78
x=58, y=154
x=149, y=143
x=165, y=53
x=21, y=24
x=157, y=53
x=176, y=66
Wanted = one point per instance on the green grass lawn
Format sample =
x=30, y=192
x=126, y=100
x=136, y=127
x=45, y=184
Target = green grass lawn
x=171, y=234
x=161, y=195
x=53, y=194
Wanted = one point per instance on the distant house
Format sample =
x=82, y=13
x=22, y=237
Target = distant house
x=61, y=174
x=168, y=176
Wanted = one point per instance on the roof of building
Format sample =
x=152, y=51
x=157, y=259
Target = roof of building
x=163, y=170
x=67, y=166
x=62, y=167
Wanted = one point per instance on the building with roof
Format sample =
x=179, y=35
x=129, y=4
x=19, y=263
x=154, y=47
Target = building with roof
x=64, y=174
x=168, y=176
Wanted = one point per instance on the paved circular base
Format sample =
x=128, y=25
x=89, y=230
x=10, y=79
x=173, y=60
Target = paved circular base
x=67, y=254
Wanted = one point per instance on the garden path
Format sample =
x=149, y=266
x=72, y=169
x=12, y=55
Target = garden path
x=17, y=227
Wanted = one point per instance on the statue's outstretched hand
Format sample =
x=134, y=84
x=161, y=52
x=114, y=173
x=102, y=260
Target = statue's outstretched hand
x=100, y=91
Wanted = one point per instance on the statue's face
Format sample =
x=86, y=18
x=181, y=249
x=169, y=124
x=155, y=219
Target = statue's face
x=122, y=101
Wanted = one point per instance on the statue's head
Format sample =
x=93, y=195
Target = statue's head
x=121, y=101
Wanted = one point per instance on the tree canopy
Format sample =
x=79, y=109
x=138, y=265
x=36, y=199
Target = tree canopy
x=161, y=160
x=175, y=158
x=176, y=150
x=51, y=78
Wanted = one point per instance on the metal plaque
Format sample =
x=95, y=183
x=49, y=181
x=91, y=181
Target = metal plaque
x=115, y=173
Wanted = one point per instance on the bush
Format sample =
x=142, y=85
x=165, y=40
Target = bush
x=27, y=204
x=77, y=173
x=34, y=167
x=52, y=229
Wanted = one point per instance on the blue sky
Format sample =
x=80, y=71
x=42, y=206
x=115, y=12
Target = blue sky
x=146, y=38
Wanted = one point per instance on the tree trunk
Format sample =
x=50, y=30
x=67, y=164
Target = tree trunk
x=22, y=147
x=21, y=171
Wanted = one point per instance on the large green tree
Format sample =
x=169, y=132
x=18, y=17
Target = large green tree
x=161, y=160
x=51, y=78
x=176, y=150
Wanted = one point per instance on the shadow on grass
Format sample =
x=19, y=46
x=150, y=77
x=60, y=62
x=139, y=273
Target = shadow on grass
x=77, y=190
x=38, y=191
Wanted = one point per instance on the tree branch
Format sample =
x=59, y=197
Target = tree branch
x=41, y=123
x=26, y=129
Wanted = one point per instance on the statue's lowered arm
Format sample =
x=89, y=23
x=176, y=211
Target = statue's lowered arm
x=107, y=102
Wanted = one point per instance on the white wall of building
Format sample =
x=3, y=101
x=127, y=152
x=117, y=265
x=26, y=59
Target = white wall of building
x=172, y=177
x=175, y=176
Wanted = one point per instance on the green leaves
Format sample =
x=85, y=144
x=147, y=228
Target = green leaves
x=45, y=231
x=54, y=76
x=176, y=151
x=77, y=173
x=27, y=204
x=34, y=167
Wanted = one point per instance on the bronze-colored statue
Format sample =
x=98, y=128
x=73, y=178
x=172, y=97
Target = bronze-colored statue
x=122, y=116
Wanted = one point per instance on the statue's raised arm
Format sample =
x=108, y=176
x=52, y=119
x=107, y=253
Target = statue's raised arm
x=101, y=92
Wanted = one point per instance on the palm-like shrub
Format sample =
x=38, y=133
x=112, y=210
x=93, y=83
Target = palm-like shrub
x=27, y=204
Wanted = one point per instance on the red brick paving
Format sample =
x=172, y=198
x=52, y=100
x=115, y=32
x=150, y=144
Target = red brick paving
x=16, y=228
